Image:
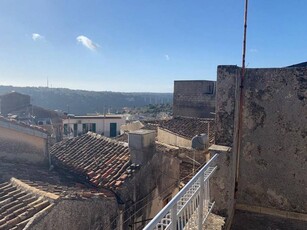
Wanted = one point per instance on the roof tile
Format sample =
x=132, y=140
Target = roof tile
x=190, y=127
x=102, y=160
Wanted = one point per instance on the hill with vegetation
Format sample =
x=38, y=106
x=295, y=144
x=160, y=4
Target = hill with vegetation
x=80, y=102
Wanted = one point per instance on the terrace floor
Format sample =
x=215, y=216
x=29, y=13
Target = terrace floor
x=254, y=221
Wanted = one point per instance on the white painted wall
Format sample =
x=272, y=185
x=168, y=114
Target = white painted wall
x=169, y=138
x=102, y=123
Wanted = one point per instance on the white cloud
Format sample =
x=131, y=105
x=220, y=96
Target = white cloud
x=88, y=43
x=166, y=57
x=36, y=37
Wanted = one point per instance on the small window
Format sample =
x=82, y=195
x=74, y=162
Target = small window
x=209, y=89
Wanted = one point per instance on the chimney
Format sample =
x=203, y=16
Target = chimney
x=142, y=145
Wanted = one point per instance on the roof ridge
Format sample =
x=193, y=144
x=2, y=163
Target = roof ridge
x=99, y=136
x=28, y=188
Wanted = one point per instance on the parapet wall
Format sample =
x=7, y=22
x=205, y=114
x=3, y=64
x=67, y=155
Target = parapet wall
x=273, y=158
x=23, y=147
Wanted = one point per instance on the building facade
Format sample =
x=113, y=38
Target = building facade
x=106, y=125
x=194, y=99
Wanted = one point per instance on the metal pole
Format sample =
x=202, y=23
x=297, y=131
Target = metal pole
x=201, y=202
x=174, y=217
x=241, y=101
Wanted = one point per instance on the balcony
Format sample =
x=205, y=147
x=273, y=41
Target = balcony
x=190, y=208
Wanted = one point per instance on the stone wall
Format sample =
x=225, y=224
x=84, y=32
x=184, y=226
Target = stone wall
x=194, y=98
x=226, y=86
x=153, y=183
x=273, y=158
x=222, y=184
x=22, y=147
x=79, y=214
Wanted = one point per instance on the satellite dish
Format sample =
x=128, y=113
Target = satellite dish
x=200, y=142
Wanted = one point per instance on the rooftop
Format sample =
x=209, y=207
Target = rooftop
x=10, y=123
x=18, y=205
x=93, y=158
x=13, y=93
x=191, y=161
x=51, y=181
x=190, y=127
x=108, y=116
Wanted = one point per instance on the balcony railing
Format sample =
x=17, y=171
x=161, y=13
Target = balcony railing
x=190, y=208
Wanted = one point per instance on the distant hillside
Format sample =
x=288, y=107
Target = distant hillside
x=80, y=101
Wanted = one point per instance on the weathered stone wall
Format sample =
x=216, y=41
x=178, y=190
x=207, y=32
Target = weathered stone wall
x=227, y=80
x=273, y=159
x=79, y=214
x=169, y=138
x=222, y=184
x=152, y=183
x=21, y=147
x=194, y=98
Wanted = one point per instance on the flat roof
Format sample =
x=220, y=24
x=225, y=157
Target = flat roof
x=95, y=117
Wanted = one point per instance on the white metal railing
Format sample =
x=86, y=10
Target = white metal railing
x=190, y=207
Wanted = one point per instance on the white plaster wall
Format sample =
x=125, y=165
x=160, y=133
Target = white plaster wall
x=173, y=139
x=102, y=124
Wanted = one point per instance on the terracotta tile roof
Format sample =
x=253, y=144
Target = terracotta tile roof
x=151, y=124
x=101, y=161
x=189, y=127
x=123, y=137
x=22, y=124
x=63, y=185
x=18, y=206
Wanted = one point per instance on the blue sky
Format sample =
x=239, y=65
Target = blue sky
x=142, y=45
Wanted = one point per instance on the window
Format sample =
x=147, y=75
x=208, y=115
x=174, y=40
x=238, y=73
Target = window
x=89, y=127
x=75, y=130
x=65, y=129
x=209, y=89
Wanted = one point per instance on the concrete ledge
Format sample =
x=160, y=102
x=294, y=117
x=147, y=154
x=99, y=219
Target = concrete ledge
x=219, y=148
x=33, y=190
x=272, y=212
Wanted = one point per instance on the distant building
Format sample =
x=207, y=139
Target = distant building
x=194, y=99
x=13, y=101
x=106, y=125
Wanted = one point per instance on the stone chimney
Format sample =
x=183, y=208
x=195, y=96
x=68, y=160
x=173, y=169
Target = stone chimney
x=142, y=145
